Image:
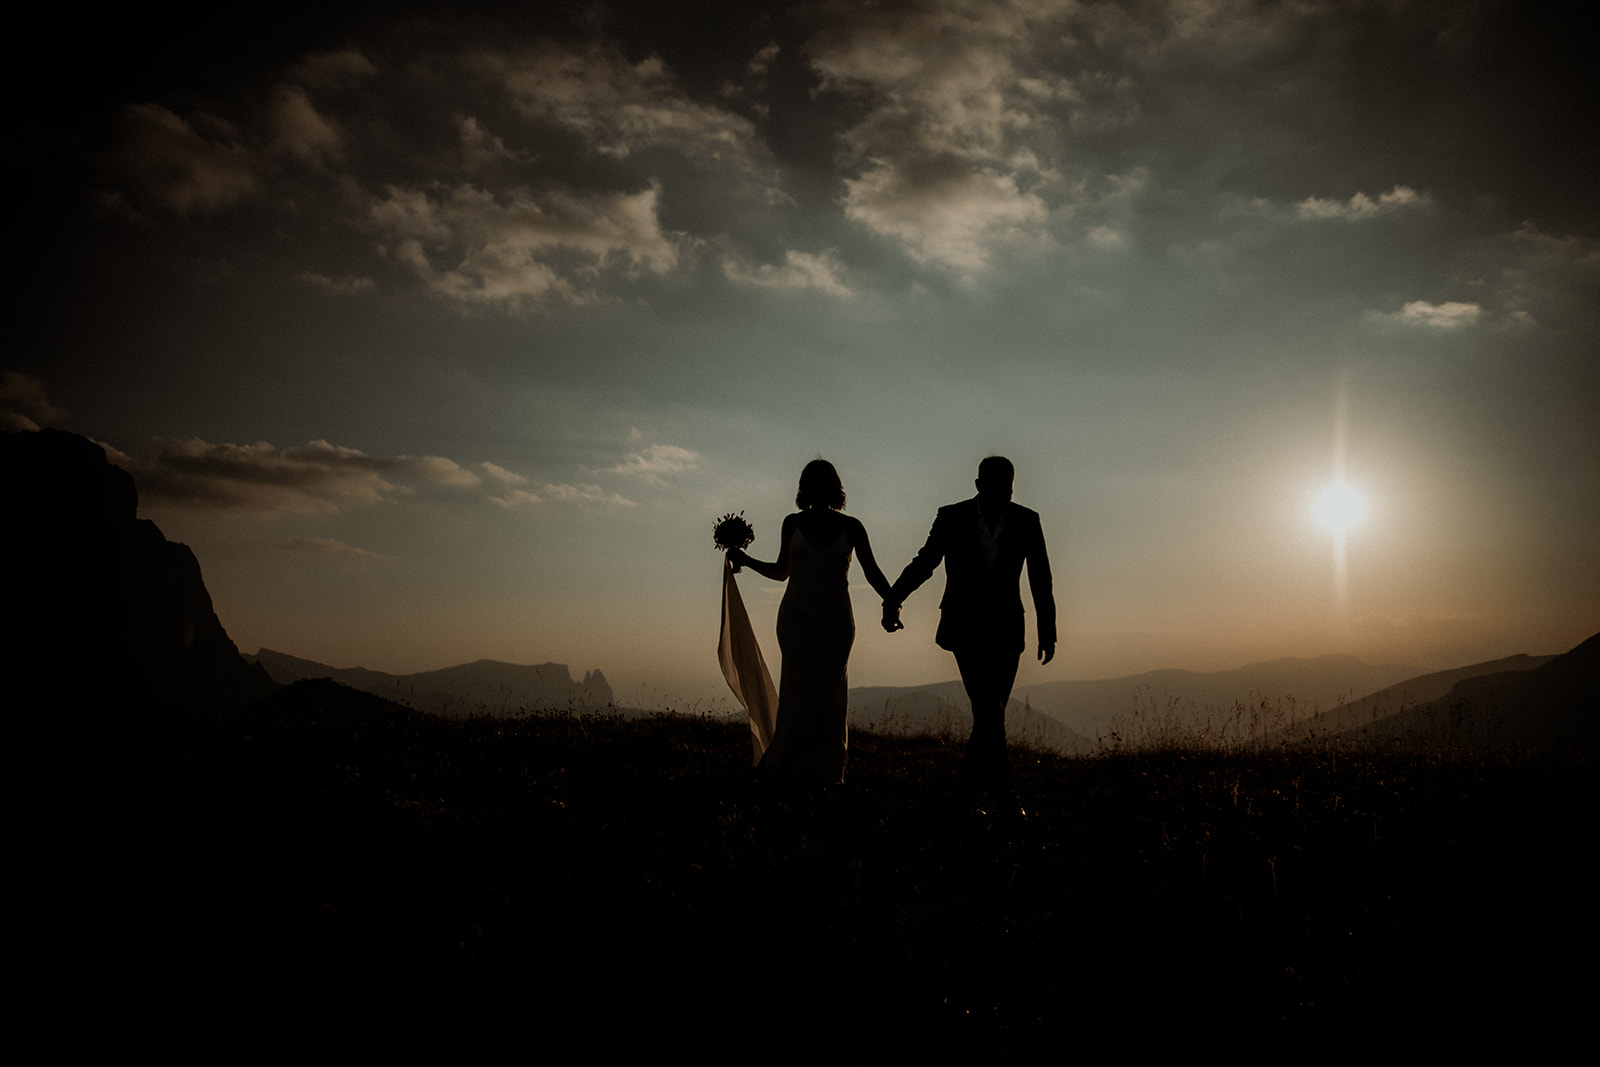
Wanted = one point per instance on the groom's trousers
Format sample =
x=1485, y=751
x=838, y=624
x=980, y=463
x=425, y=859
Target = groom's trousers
x=988, y=671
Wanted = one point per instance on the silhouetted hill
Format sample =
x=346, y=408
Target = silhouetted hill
x=116, y=621
x=1248, y=701
x=1274, y=702
x=1392, y=699
x=485, y=687
x=1545, y=702
x=1073, y=717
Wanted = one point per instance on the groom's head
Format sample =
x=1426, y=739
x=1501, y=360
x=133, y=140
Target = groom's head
x=996, y=476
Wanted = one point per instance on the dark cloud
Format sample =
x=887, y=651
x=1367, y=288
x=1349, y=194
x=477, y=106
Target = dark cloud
x=343, y=69
x=165, y=159
x=322, y=478
x=299, y=131
x=23, y=403
x=508, y=160
x=310, y=478
x=523, y=247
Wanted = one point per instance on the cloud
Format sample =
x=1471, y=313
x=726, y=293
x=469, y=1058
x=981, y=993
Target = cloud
x=306, y=479
x=1551, y=278
x=585, y=494
x=23, y=403
x=1107, y=237
x=513, y=214
x=522, y=247
x=480, y=149
x=299, y=132
x=322, y=478
x=335, y=70
x=324, y=546
x=657, y=460
x=800, y=270
x=167, y=160
x=980, y=124
x=348, y=285
x=754, y=84
x=619, y=108
x=650, y=464
x=941, y=77
x=314, y=478
x=581, y=495
x=1360, y=206
x=444, y=471
x=943, y=209
x=501, y=475
x=516, y=497
x=958, y=113
x=1420, y=313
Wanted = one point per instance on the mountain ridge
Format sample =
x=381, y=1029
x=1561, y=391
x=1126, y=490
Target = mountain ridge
x=484, y=686
x=1255, y=705
x=1262, y=703
x=1238, y=700
x=1410, y=692
x=1549, y=703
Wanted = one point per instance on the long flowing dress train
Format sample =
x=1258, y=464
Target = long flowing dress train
x=743, y=666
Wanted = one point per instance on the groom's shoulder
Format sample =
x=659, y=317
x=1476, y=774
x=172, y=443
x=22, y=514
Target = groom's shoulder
x=1027, y=515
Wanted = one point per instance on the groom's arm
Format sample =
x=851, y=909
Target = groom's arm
x=1044, y=601
x=921, y=567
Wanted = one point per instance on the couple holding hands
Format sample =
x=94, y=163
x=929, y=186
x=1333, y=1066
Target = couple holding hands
x=983, y=543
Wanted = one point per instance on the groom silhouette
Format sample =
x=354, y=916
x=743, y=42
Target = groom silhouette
x=983, y=543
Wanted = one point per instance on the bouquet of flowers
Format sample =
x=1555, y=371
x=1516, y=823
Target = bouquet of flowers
x=732, y=531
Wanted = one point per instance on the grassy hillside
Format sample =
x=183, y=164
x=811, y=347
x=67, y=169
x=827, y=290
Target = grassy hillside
x=630, y=884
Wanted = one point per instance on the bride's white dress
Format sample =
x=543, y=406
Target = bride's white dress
x=816, y=629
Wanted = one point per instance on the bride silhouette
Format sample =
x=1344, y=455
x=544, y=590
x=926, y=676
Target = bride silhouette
x=816, y=627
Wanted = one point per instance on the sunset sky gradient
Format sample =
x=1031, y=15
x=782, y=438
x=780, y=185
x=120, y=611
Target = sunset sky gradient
x=445, y=333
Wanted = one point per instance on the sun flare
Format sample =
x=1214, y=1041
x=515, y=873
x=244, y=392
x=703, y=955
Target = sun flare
x=1339, y=508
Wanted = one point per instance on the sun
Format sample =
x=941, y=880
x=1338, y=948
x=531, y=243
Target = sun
x=1339, y=508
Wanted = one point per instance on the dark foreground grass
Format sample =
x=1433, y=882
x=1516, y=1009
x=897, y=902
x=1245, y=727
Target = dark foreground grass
x=325, y=862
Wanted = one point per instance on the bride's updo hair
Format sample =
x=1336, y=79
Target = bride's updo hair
x=820, y=487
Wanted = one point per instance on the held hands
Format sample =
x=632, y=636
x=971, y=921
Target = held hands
x=737, y=557
x=891, y=617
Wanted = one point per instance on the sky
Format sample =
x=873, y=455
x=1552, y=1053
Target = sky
x=447, y=332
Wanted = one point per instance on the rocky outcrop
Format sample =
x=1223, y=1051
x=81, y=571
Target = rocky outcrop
x=595, y=690
x=111, y=620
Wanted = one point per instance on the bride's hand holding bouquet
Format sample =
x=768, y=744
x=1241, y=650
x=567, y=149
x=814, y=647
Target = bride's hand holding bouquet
x=732, y=534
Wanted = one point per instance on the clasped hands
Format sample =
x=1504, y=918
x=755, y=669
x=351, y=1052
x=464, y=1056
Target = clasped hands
x=891, y=623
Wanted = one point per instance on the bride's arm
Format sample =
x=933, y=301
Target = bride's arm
x=779, y=571
x=869, y=565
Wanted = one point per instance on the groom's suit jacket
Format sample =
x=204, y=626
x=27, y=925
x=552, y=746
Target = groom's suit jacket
x=982, y=605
